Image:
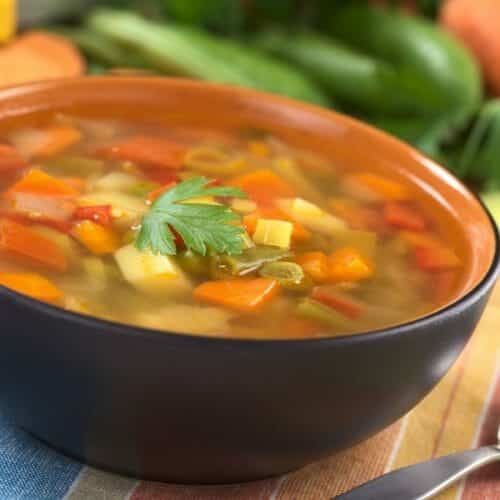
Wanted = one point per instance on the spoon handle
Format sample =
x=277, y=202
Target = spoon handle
x=424, y=480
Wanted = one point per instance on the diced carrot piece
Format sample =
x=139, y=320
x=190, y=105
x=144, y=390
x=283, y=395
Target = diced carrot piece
x=300, y=328
x=338, y=301
x=38, y=182
x=347, y=264
x=444, y=285
x=97, y=213
x=258, y=148
x=10, y=159
x=379, y=186
x=146, y=151
x=403, y=217
x=97, y=239
x=263, y=186
x=22, y=241
x=299, y=233
x=76, y=183
x=245, y=295
x=359, y=216
x=31, y=284
x=420, y=239
x=57, y=140
x=315, y=265
x=163, y=176
x=437, y=258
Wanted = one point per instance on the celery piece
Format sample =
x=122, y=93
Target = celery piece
x=289, y=274
x=311, y=309
x=250, y=260
x=74, y=165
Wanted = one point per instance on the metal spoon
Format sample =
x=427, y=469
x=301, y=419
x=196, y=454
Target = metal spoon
x=427, y=479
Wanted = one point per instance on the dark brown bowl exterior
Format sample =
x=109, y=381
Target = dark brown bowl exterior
x=192, y=409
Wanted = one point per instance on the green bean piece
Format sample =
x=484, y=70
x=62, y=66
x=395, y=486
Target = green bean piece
x=310, y=309
x=194, y=264
x=249, y=260
x=74, y=165
x=142, y=189
x=289, y=274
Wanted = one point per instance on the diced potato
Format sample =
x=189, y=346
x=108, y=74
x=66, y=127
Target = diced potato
x=243, y=206
x=311, y=216
x=187, y=319
x=271, y=232
x=116, y=181
x=151, y=273
x=126, y=209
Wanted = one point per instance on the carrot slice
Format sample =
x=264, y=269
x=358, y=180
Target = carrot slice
x=315, y=265
x=31, y=284
x=437, y=258
x=360, y=216
x=403, y=217
x=347, y=264
x=38, y=182
x=98, y=239
x=57, y=139
x=36, y=56
x=22, y=241
x=147, y=151
x=338, y=301
x=376, y=187
x=244, y=295
x=263, y=186
x=10, y=159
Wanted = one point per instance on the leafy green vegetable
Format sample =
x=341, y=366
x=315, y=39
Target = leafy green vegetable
x=200, y=225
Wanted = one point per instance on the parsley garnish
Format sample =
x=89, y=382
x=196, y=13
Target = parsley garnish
x=201, y=226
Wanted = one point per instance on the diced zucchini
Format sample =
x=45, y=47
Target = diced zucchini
x=311, y=216
x=116, y=181
x=271, y=232
x=151, y=273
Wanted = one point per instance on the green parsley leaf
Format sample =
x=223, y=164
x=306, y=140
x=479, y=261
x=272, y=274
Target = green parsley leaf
x=201, y=226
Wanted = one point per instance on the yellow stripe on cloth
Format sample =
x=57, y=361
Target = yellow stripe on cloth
x=8, y=19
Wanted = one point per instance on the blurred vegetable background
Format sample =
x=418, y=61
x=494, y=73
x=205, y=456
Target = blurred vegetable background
x=427, y=71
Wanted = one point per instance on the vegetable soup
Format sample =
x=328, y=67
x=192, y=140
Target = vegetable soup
x=214, y=233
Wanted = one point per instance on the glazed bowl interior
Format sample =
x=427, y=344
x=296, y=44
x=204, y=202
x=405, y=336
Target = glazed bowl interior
x=346, y=142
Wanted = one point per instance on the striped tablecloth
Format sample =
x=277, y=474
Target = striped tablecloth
x=462, y=412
